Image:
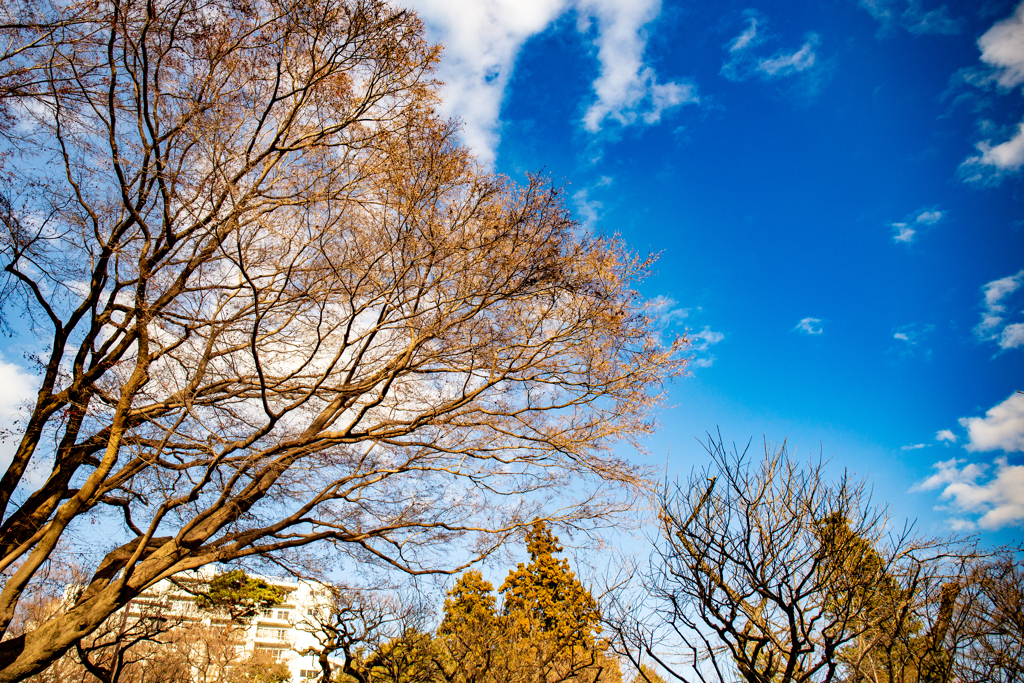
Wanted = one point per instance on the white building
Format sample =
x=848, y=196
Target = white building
x=287, y=632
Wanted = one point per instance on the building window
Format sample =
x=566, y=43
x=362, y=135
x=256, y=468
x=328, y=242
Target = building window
x=272, y=633
x=308, y=673
x=282, y=614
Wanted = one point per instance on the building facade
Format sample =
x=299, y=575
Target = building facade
x=288, y=633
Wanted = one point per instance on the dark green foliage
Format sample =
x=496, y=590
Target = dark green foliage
x=239, y=595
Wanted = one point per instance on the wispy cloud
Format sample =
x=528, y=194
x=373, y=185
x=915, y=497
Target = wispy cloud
x=904, y=233
x=702, y=341
x=787, y=63
x=946, y=435
x=906, y=230
x=914, y=447
x=809, y=326
x=747, y=38
x=588, y=210
x=667, y=311
x=745, y=60
x=992, y=494
x=707, y=338
x=627, y=89
x=912, y=16
x=994, y=161
x=483, y=38
x=993, y=325
x=1002, y=57
x=911, y=338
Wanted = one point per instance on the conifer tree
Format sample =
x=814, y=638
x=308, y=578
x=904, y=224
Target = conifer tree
x=471, y=634
x=545, y=632
x=469, y=605
x=546, y=594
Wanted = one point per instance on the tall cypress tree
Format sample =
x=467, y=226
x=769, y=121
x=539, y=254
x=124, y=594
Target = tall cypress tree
x=545, y=595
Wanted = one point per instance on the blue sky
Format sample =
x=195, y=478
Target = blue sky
x=835, y=191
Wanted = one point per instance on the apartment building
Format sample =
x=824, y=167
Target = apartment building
x=287, y=633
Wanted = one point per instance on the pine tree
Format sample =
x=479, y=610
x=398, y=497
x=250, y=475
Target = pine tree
x=895, y=646
x=545, y=632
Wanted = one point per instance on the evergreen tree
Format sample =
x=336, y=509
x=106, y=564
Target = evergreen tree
x=545, y=631
x=545, y=594
x=472, y=636
x=239, y=595
x=469, y=605
x=894, y=645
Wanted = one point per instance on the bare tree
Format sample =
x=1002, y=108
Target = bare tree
x=279, y=305
x=767, y=572
x=986, y=634
x=351, y=624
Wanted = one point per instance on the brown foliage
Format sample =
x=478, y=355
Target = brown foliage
x=279, y=305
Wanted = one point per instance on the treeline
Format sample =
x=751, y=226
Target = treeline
x=547, y=628
x=765, y=571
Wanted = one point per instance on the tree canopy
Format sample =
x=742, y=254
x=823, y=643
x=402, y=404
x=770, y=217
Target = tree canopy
x=278, y=304
x=239, y=595
x=545, y=594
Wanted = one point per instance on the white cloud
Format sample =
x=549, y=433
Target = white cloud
x=18, y=388
x=914, y=447
x=994, y=161
x=993, y=325
x=743, y=63
x=945, y=435
x=1012, y=336
x=1002, y=48
x=482, y=40
x=996, y=290
x=588, y=209
x=907, y=229
x=913, y=336
x=948, y=472
x=1002, y=428
x=1002, y=53
x=809, y=326
x=708, y=338
x=904, y=233
x=667, y=312
x=627, y=89
x=995, y=498
x=782, y=64
x=911, y=16
x=700, y=343
x=746, y=38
